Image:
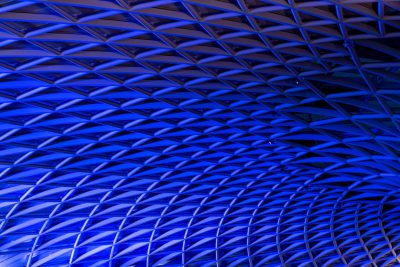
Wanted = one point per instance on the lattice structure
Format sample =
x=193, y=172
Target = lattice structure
x=199, y=133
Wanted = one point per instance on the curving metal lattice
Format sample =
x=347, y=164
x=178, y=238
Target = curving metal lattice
x=199, y=133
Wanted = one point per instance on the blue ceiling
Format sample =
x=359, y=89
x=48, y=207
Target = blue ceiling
x=225, y=133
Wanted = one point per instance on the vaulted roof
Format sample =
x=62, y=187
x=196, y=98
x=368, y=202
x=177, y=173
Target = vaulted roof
x=199, y=133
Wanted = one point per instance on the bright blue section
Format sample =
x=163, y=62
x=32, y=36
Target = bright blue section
x=199, y=133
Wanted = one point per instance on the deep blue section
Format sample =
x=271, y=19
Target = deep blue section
x=199, y=133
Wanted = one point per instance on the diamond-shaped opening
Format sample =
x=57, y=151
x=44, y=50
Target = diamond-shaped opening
x=78, y=12
x=370, y=53
x=107, y=32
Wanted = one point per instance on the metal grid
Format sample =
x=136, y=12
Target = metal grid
x=199, y=133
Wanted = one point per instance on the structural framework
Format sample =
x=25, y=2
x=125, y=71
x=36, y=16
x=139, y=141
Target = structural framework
x=199, y=133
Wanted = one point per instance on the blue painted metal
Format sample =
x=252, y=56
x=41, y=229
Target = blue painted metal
x=199, y=133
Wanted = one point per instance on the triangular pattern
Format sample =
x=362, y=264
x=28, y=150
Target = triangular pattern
x=199, y=133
